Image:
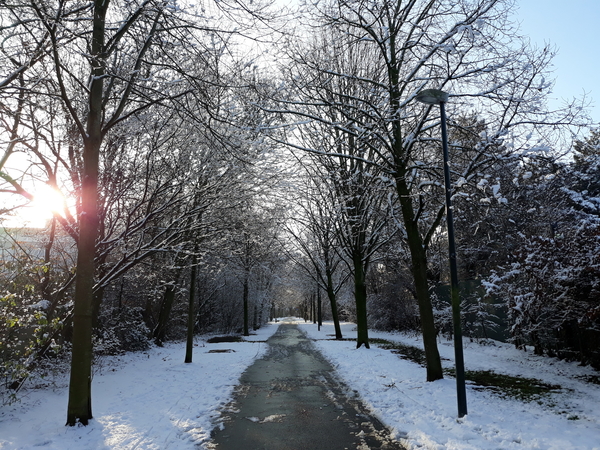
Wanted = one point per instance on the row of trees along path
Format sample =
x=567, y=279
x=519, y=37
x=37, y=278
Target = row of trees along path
x=170, y=125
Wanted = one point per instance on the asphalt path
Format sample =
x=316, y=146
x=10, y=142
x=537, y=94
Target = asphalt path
x=291, y=399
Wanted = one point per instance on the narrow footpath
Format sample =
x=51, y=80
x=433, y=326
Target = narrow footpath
x=291, y=399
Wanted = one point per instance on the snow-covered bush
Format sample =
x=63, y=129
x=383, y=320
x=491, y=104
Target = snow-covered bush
x=550, y=281
x=123, y=330
x=479, y=319
x=26, y=335
x=553, y=293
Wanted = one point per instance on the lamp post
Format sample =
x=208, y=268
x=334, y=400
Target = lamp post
x=437, y=97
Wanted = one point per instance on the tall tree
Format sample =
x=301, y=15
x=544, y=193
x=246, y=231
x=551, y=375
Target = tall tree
x=130, y=68
x=467, y=47
x=346, y=154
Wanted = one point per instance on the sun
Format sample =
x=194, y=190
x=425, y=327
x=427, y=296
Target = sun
x=48, y=200
x=36, y=214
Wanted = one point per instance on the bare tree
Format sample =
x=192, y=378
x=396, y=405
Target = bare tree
x=109, y=65
x=315, y=238
x=469, y=48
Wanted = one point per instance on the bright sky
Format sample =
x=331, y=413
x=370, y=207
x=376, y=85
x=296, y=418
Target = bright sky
x=572, y=26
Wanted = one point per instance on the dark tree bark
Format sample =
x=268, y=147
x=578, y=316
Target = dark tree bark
x=419, y=271
x=319, y=309
x=333, y=302
x=245, y=300
x=164, y=314
x=360, y=297
x=189, y=349
x=97, y=298
x=80, y=393
x=255, y=318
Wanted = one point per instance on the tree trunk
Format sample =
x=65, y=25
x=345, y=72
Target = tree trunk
x=319, y=311
x=189, y=348
x=255, y=317
x=148, y=314
x=166, y=305
x=245, y=299
x=419, y=271
x=96, y=303
x=80, y=393
x=360, y=297
x=45, y=287
x=333, y=303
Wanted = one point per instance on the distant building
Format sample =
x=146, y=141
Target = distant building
x=18, y=242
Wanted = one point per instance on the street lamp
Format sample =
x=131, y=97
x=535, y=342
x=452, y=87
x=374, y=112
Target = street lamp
x=437, y=97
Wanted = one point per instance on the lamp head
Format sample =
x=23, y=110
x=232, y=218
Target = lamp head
x=432, y=96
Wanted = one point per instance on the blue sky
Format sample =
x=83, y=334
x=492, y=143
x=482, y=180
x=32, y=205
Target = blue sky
x=572, y=26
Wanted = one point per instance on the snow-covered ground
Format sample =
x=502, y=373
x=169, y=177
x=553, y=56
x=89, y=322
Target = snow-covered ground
x=152, y=400
x=147, y=400
x=424, y=415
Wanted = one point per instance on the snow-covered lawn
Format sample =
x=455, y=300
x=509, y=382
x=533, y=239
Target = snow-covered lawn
x=424, y=415
x=152, y=400
x=146, y=400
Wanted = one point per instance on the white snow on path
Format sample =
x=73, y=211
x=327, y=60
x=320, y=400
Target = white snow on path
x=145, y=400
x=424, y=415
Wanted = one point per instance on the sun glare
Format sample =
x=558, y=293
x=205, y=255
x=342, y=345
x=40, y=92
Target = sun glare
x=39, y=211
x=48, y=200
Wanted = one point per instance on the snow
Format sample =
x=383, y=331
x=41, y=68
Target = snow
x=144, y=400
x=152, y=400
x=424, y=415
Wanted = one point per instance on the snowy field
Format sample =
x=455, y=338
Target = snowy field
x=146, y=400
x=424, y=415
x=152, y=400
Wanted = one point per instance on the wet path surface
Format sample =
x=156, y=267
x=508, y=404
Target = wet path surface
x=291, y=400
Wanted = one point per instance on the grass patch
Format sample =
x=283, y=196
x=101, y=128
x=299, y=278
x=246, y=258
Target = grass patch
x=525, y=389
x=408, y=352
